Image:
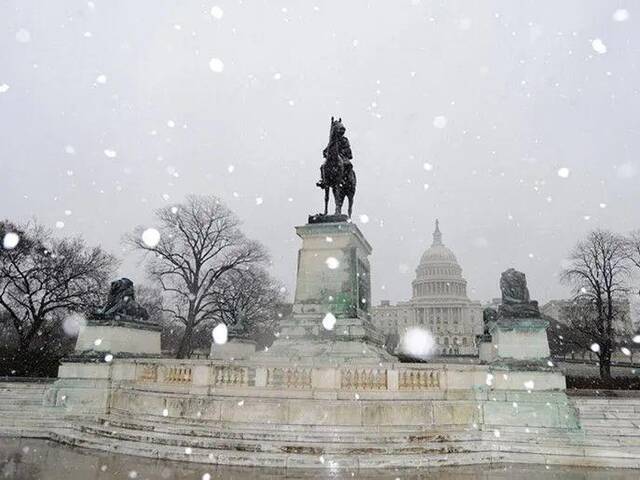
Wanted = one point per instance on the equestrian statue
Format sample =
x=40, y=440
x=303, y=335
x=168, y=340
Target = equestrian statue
x=336, y=173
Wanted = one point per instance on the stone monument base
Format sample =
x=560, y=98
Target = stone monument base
x=344, y=417
x=303, y=339
x=119, y=337
x=520, y=338
x=234, y=349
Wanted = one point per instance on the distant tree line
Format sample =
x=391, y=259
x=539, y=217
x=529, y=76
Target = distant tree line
x=601, y=270
x=202, y=271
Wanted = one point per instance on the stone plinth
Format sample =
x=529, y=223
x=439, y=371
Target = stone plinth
x=235, y=349
x=119, y=337
x=333, y=269
x=520, y=338
x=333, y=278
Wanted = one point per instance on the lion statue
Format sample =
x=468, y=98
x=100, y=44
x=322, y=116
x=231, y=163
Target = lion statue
x=121, y=303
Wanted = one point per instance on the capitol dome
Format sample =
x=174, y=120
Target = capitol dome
x=437, y=252
x=438, y=304
x=439, y=273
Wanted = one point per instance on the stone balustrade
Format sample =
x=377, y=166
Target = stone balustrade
x=392, y=377
x=363, y=379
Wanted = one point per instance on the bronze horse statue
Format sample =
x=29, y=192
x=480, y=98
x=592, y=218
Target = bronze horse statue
x=337, y=171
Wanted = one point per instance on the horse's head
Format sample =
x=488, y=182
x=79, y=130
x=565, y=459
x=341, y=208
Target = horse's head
x=337, y=128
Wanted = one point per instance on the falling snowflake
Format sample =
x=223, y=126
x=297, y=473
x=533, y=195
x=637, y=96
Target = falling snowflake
x=108, y=357
x=329, y=321
x=102, y=79
x=625, y=351
x=72, y=324
x=70, y=149
x=59, y=224
x=417, y=342
x=97, y=342
x=529, y=384
x=10, y=240
x=217, y=12
x=151, y=237
x=259, y=200
x=216, y=65
x=364, y=218
x=440, y=121
x=332, y=263
x=620, y=15
x=427, y=166
x=563, y=172
x=598, y=46
x=220, y=334
x=165, y=412
x=489, y=379
x=4, y=88
x=110, y=153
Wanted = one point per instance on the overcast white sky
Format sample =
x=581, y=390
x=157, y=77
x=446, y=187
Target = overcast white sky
x=524, y=88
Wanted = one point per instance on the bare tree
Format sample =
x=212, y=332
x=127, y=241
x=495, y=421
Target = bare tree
x=200, y=241
x=250, y=303
x=42, y=279
x=598, y=271
x=634, y=248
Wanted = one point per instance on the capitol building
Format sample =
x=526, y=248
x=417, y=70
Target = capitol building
x=439, y=304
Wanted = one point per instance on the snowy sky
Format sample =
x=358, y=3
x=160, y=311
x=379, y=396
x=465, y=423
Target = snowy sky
x=465, y=111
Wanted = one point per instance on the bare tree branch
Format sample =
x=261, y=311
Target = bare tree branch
x=200, y=245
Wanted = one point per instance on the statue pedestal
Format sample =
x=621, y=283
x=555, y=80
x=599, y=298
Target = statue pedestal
x=119, y=336
x=330, y=321
x=520, y=338
x=234, y=349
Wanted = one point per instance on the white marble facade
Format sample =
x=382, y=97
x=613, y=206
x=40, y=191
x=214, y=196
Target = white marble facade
x=439, y=303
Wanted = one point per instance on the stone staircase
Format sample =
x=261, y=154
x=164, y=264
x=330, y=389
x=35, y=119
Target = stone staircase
x=22, y=410
x=348, y=447
x=275, y=445
x=293, y=446
x=610, y=417
x=610, y=436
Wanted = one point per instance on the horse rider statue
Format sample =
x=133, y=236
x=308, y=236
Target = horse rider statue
x=336, y=173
